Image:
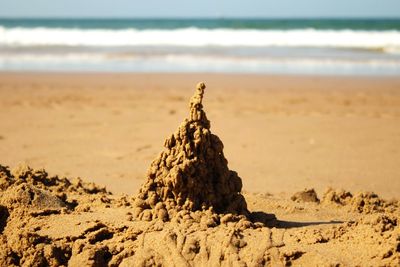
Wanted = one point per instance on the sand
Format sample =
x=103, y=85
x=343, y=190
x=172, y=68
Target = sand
x=280, y=134
x=191, y=174
x=296, y=132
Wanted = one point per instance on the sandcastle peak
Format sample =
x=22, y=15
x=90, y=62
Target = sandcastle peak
x=196, y=105
x=191, y=173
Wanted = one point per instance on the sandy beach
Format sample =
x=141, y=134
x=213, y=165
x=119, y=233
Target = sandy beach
x=281, y=134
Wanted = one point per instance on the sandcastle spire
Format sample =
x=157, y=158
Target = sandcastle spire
x=196, y=105
x=191, y=173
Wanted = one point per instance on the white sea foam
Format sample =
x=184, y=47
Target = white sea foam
x=193, y=63
x=387, y=41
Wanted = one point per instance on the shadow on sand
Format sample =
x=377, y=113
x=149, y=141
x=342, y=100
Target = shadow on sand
x=270, y=220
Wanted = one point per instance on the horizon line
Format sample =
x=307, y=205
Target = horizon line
x=201, y=17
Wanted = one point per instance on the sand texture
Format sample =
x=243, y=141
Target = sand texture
x=191, y=208
x=192, y=173
x=46, y=220
x=281, y=133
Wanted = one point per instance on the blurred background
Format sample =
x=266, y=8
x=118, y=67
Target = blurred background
x=356, y=37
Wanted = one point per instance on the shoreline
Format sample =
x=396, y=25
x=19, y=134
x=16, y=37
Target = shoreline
x=197, y=73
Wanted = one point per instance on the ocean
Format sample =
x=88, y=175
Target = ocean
x=270, y=46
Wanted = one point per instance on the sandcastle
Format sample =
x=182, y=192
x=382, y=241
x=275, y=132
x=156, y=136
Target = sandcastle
x=191, y=174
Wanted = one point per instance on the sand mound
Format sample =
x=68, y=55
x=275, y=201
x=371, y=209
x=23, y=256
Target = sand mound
x=191, y=174
x=307, y=195
x=364, y=202
x=26, y=195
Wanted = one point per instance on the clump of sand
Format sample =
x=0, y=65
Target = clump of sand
x=363, y=202
x=26, y=197
x=191, y=174
x=307, y=195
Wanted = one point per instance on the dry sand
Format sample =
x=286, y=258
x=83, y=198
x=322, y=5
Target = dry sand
x=281, y=134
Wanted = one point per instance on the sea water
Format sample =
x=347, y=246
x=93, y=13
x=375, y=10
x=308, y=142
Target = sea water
x=271, y=46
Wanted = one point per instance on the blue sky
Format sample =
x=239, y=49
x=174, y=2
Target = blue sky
x=204, y=8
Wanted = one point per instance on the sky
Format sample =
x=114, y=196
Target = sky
x=204, y=8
